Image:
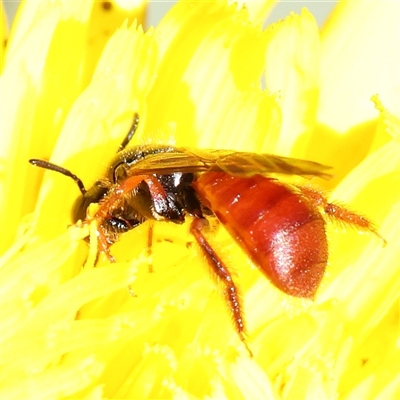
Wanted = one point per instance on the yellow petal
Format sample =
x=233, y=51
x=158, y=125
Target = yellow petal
x=169, y=333
x=96, y=120
x=365, y=278
x=184, y=92
x=39, y=83
x=360, y=58
x=258, y=10
x=106, y=17
x=43, y=76
x=292, y=72
x=3, y=35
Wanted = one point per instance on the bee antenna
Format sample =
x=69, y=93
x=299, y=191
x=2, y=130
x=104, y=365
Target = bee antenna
x=131, y=132
x=61, y=170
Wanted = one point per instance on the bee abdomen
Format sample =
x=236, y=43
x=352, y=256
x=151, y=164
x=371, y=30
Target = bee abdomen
x=280, y=230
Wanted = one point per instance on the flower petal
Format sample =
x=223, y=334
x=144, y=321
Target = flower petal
x=213, y=58
x=34, y=97
x=3, y=34
x=258, y=10
x=106, y=18
x=292, y=71
x=360, y=57
x=96, y=120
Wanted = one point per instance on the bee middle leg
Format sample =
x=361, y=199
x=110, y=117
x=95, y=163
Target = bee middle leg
x=221, y=271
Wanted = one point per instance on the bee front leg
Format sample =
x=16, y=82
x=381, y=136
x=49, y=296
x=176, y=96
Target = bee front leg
x=115, y=196
x=103, y=244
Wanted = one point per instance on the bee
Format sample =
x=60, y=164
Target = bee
x=280, y=226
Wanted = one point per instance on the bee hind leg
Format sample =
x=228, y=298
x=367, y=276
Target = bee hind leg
x=340, y=213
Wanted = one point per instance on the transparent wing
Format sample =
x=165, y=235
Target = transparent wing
x=232, y=162
x=248, y=164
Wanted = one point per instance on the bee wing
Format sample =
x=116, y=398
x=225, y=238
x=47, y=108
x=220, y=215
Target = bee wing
x=248, y=164
x=172, y=161
x=232, y=162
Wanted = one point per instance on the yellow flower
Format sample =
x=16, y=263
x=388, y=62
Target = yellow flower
x=195, y=80
x=3, y=35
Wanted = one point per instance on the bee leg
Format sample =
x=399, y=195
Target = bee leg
x=113, y=200
x=118, y=192
x=221, y=271
x=339, y=212
x=150, y=247
x=103, y=244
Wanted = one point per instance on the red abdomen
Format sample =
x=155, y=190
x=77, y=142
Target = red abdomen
x=278, y=227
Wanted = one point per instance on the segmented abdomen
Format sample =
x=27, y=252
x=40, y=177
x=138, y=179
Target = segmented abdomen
x=277, y=226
